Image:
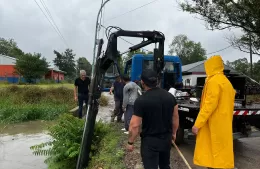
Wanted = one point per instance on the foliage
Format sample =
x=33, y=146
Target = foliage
x=65, y=62
x=83, y=64
x=103, y=101
x=9, y=48
x=240, y=65
x=223, y=14
x=189, y=51
x=31, y=66
x=110, y=153
x=30, y=103
x=63, y=149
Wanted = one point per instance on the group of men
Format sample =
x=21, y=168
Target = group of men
x=125, y=94
x=156, y=113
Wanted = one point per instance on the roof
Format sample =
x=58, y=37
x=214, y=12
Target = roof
x=56, y=69
x=188, y=67
x=199, y=67
x=8, y=57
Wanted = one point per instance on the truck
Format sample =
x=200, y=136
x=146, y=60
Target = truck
x=188, y=106
x=245, y=115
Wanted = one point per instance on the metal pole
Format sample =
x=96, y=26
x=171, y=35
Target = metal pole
x=95, y=40
x=251, y=59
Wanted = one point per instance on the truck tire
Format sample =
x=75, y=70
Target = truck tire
x=179, y=136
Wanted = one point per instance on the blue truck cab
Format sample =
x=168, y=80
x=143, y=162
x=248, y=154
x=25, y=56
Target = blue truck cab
x=171, y=76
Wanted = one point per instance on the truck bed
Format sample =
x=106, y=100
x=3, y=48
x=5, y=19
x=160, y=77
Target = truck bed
x=253, y=109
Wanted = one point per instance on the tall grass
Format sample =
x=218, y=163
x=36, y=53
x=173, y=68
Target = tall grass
x=31, y=102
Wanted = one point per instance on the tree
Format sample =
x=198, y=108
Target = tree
x=189, y=51
x=10, y=48
x=31, y=66
x=66, y=62
x=223, y=14
x=83, y=64
x=240, y=65
x=256, y=71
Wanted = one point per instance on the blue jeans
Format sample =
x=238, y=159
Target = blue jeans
x=128, y=115
x=81, y=99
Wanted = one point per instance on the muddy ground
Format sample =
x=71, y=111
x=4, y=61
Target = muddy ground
x=247, y=156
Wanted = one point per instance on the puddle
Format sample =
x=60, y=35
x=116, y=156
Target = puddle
x=15, y=143
x=16, y=140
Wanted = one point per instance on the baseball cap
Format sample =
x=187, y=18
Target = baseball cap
x=149, y=77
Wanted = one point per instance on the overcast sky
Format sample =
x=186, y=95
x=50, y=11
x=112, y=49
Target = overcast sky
x=23, y=21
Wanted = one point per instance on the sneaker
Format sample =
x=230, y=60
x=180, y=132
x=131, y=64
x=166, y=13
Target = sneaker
x=123, y=129
x=126, y=132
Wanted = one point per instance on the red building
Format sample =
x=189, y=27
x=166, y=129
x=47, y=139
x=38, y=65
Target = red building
x=7, y=71
x=55, y=74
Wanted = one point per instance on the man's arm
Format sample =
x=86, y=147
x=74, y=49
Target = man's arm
x=125, y=96
x=134, y=127
x=210, y=103
x=175, y=120
x=111, y=89
x=75, y=89
x=136, y=121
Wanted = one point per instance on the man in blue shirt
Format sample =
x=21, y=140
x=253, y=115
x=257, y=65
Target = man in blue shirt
x=117, y=87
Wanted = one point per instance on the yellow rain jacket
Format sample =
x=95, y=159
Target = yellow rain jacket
x=214, y=141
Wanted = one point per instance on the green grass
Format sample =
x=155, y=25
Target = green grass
x=24, y=103
x=44, y=86
x=110, y=153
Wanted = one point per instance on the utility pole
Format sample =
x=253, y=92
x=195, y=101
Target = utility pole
x=251, y=59
x=95, y=40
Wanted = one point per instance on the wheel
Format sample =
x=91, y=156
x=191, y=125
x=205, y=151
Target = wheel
x=179, y=136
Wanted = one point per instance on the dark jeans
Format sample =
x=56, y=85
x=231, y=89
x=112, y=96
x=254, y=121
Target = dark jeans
x=128, y=115
x=118, y=111
x=81, y=99
x=155, y=151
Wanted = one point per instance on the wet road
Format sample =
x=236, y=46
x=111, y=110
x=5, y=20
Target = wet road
x=247, y=154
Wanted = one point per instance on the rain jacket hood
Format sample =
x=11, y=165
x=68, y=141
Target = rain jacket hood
x=214, y=141
x=214, y=65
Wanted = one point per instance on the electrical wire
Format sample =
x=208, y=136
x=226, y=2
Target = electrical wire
x=219, y=50
x=131, y=10
x=50, y=15
x=50, y=22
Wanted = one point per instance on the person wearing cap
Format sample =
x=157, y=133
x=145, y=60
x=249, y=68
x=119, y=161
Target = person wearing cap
x=213, y=126
x=157, y=111
x=130, y=94
x=117, y=87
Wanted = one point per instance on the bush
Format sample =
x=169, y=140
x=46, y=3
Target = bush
x=103, y=101
x=63, y=150
x=32, y=102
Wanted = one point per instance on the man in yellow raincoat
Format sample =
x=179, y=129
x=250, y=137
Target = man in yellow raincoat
x=213, y=126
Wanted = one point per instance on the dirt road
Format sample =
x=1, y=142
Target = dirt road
x=247, y=152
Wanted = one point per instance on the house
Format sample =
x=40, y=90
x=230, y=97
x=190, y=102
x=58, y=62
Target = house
x=191, y=72
x=55, y=74
x=7, y=71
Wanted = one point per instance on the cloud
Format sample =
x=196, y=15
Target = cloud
x=24, y=22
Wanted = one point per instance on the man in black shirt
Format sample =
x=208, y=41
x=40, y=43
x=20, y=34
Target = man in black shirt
x=81, y=87
x=157, y=110
x=117, y=87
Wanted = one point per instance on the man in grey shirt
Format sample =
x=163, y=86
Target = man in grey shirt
x=130, y=94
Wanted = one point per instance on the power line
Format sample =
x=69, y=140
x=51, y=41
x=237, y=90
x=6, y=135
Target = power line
x=219, y=50
x=50, y=22
x=131, y=10
x=50, y=15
